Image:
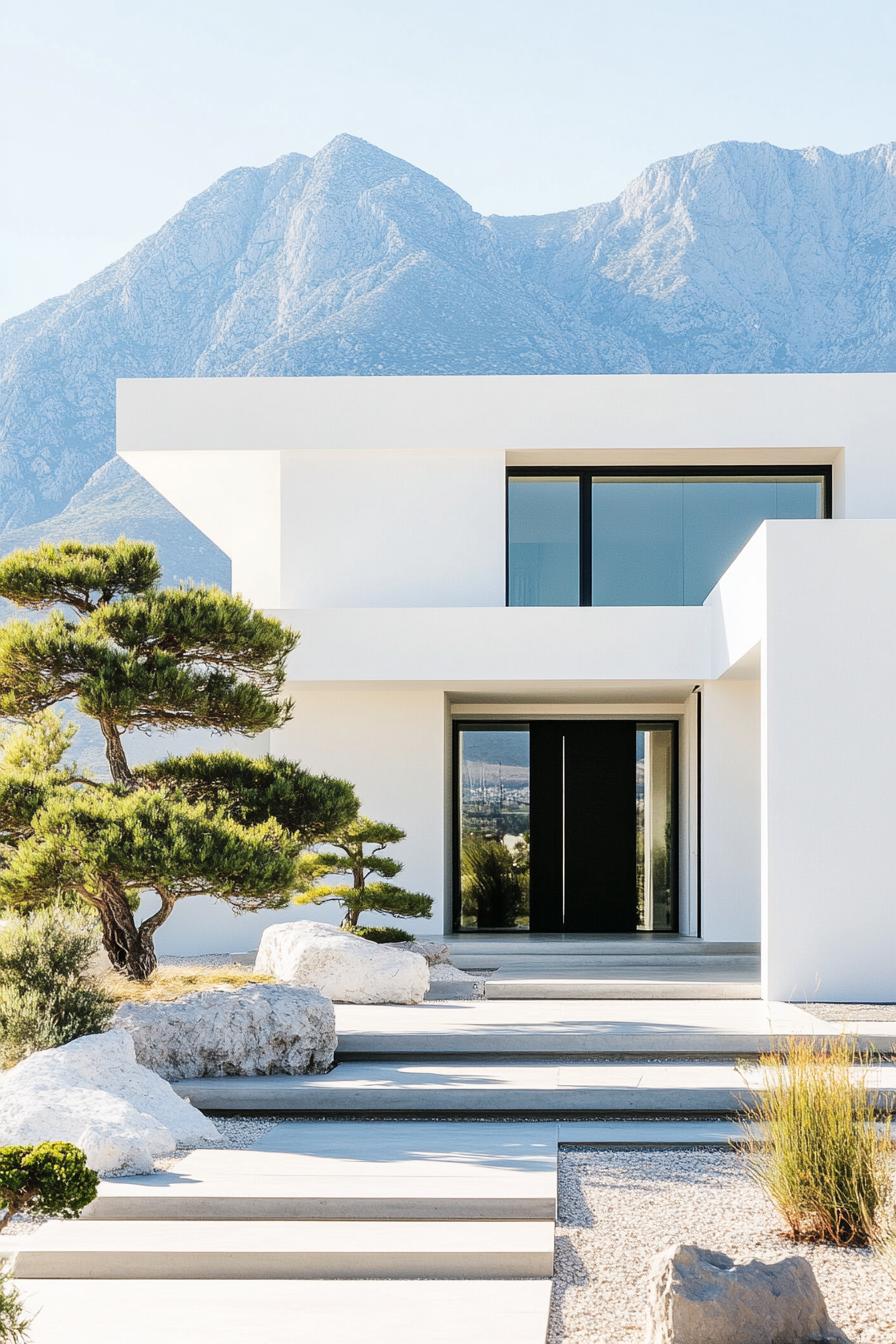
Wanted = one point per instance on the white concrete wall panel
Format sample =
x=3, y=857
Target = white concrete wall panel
x=393, y=529
x=730, y=814
x=828, y=747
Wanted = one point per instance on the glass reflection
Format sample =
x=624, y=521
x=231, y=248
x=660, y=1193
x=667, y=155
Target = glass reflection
x=494, y=828
x=543, y=541
x=654, y=817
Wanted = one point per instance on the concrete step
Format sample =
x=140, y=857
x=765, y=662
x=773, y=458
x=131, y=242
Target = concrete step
x=330, y=1171
x=99, y=1249
x=507, y=947
x=619, y=962
x=339, y=1312
x=731, y=1029
x=499, y=1087
x=326, y=1198
x=524, y=984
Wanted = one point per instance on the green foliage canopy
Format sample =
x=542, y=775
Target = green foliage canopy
x=50, y=1179
x=358, y=852
x=133, y=655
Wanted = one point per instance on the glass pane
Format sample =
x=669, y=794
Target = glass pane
x=543, y=541
x=636, y=551
x=720, y=517
x=655, y=849
x=664, y=542
x=494, y=828
x=799, y=499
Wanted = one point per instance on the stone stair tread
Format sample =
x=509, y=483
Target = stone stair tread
x=287, y=1250
x=565, y=1027
x=209, y=1312
x=494, y=1087
x=430, y=1197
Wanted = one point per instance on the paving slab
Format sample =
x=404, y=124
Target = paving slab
x=649, y=1133
x=277, y=1312
x=98, y=1249
x=727, y=1028
x=353, y=1170
x=497, y=1087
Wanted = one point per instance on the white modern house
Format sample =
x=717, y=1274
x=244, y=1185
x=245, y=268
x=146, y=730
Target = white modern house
x=618, y=653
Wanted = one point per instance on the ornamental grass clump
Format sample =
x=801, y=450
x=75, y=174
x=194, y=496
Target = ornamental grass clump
x=815, y=1145
x=13, y=1321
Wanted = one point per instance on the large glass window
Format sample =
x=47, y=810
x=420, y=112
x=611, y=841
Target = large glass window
x=662, y=540
x=494, y=827
x=543, y=541
x=666, y=541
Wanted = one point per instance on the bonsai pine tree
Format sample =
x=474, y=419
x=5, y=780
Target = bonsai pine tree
x=131, y=654
x=358, y=852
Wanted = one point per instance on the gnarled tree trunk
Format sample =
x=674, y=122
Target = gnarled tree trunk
x=129, y=946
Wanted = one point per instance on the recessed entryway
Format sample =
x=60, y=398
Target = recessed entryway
x=566, y=826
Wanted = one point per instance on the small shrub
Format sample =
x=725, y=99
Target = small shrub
x=47, y=997
x=51, y=1179
x=387, y=933
x=820, y=1154
x=13, y=1321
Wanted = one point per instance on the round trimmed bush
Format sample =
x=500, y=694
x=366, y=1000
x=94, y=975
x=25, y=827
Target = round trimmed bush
x=52, y=1179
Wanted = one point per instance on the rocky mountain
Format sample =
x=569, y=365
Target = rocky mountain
x=735, y=258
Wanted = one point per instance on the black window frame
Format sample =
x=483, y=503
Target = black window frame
x=586, y=475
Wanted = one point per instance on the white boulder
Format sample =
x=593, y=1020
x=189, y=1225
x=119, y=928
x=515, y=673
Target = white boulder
x=346, y=968
x=93, y=1093
x=702, y=1297
x=253, y=1029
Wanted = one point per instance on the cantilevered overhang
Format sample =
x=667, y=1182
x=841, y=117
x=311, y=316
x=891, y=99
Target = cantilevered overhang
x=476, y=646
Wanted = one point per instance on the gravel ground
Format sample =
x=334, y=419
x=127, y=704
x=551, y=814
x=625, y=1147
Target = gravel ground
x=619, y=1208
x=209, y=959
x=852, y=1012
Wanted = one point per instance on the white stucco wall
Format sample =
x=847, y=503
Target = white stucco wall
x=392, y=743
x=393, y=529
x=730, y=816
x=828, y=746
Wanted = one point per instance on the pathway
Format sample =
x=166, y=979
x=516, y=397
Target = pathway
x=319, y=1230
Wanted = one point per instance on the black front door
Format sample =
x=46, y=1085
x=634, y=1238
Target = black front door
x=583, y=866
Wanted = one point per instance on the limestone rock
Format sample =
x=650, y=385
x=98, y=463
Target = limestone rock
x=702, y=1297
x=225, y=1031
x=436, y=954
x=93, y=1093
x=345, y=968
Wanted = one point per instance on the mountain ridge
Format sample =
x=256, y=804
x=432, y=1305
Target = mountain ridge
x=736, y=257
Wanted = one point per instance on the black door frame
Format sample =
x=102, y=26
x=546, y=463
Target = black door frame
x=505, y=722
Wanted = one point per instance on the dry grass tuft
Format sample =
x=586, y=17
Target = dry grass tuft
x=821, y=1155
x=172, y=982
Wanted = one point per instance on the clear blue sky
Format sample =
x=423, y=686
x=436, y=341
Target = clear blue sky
x=114, y=112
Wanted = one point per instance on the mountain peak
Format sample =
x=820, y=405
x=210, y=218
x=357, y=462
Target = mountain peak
x=735, y=257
